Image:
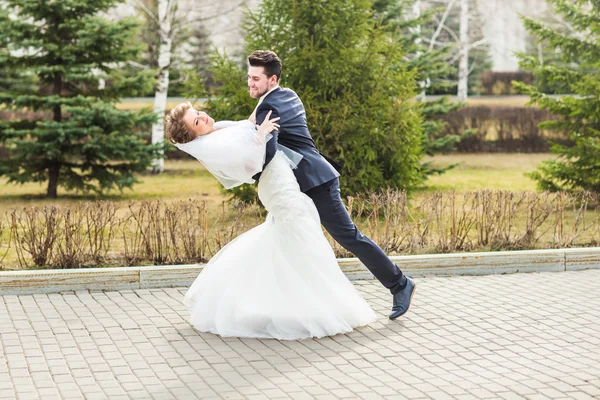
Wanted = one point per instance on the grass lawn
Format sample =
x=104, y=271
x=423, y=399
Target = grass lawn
x=507, y=101
x=184, y=179
x=136, y=105
x=485, y=171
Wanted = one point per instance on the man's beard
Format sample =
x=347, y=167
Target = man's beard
x=258, y=94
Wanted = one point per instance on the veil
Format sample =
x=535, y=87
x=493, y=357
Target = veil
x=233, y=153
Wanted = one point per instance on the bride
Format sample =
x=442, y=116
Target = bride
x=281, y=279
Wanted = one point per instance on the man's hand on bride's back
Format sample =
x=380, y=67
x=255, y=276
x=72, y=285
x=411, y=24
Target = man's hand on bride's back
x=268, y=125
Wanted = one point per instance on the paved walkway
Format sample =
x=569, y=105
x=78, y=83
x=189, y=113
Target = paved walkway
x=532, y=336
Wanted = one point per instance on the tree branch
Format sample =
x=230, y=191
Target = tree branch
x=138, y=65
x=473, y=65
x=440, y=25
x=222, y=12
x=477, y=43
x=168, y=12
x=185, y=24
x=148, y=12
x=436, y=43
x=451, y=32
x=565, y=24
x=457, y=55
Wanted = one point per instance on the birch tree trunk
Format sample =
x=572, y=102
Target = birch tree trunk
x=463, y=65
x=416, y=13
x=162, y=83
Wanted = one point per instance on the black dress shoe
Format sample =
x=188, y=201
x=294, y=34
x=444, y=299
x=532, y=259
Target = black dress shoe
x=402, y=299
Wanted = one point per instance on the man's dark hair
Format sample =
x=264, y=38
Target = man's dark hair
x=267, y=59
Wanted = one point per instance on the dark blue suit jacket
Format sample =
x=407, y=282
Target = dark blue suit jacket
x=313, y=170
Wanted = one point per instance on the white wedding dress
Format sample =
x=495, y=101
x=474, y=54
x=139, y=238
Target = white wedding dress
x=281, y=279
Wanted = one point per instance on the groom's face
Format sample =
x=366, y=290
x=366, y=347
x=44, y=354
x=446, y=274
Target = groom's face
x=259, y=83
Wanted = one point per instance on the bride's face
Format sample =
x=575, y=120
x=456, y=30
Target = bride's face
x=198, y=122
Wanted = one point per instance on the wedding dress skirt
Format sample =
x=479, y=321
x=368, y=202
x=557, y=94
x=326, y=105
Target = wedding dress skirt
x=281, y=279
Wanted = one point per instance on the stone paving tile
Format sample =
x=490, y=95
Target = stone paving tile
x=521, y=336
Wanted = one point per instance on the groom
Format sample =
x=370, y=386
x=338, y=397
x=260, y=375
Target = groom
x=316, y=175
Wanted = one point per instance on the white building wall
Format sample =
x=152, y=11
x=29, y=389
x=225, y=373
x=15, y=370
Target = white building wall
x=503, y=28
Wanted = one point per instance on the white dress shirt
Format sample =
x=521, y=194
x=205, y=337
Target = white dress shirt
x=265, y=95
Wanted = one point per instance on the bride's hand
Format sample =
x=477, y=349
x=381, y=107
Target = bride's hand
x=268, y=125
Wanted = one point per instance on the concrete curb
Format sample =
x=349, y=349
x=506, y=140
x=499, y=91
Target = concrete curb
x=127, y=278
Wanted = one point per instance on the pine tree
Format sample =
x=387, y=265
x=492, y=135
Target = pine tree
x=351, y=78
x=84, y=142
x=431, y=67
x=577, y=166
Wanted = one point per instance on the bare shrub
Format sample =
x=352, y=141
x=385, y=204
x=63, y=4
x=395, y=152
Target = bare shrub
x=442, y=222
x=452, y=221
x=5, y=240
x=580, y=204
x=496, y=213
x=538, y=208
x=193, y=230
x=87, y=232
x=146, y=232
x=189, y=231
x=100, y=225
x=35, y=231
x=384, y=217
x=70, y=251
x=129, y=228
x=178, y=232
x=235, y=218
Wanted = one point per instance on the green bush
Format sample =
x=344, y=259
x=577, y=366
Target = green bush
x=352, y=80
x=577, y=165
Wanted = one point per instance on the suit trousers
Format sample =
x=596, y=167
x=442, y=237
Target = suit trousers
x=337, y=221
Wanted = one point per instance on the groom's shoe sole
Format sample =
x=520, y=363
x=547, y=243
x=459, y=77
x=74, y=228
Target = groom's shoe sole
x=410, y=302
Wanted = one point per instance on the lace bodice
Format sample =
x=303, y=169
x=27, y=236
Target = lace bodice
x=279, y=192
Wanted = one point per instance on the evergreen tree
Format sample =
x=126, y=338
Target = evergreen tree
x=577, y=166
x=431, y=68
x=84, y=142
x=351, y=78
x=199, y=55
